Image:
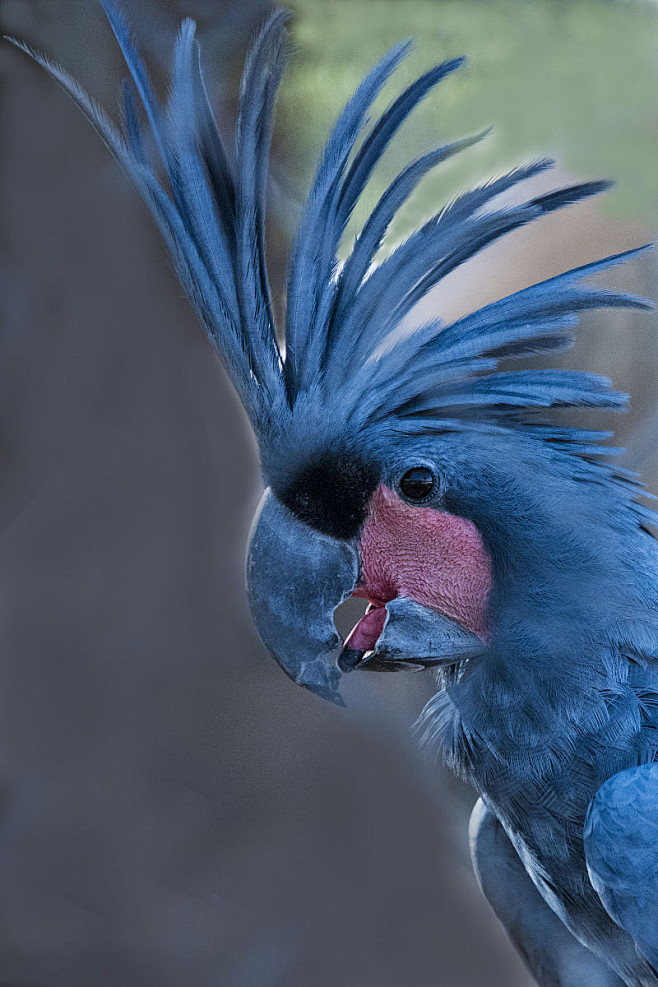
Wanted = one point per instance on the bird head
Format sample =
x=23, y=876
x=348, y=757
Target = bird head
x=457, y=531
x=372, y=518
x=402, y=467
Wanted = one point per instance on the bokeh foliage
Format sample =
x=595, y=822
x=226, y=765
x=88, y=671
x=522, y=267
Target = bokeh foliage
x=575, y=80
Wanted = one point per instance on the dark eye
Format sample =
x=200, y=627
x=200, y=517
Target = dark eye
x=417, y=483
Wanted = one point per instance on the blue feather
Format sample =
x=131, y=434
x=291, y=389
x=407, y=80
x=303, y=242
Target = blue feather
x=131, y=124
x=342, y=345
x=260, y=81
x=370, y=239
x=383, y=132
x=523, y=388
x=212, y=149
x=200, y=220
x=314, y=250
x=428, y=255
x=390, y=285
x=121, y=30
x=341, y=329
x=187, y=177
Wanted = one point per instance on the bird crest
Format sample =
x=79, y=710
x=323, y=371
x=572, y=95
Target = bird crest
x=344, y=368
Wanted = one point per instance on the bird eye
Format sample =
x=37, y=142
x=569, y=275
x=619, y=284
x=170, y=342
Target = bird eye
x=417, y=483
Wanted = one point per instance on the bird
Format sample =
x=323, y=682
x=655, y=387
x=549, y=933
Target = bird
x=497, y=544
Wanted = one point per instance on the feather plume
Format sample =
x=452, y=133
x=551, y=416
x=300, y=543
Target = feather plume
x=343, y=345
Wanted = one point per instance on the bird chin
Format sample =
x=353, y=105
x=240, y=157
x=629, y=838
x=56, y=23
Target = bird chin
x=412, y=638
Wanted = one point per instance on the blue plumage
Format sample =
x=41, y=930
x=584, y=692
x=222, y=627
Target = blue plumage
x=621, y=842
x=552, y=714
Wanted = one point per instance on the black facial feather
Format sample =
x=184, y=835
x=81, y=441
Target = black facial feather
x=331, y=494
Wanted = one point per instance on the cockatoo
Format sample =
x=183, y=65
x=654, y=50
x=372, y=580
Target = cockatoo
x=498, y=548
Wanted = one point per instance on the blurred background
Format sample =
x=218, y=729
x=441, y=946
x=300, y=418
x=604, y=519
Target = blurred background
x=173, y=811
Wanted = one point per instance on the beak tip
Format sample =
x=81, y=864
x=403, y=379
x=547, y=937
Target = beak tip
x=330, y=693
x=349, y=659
x=322, y=680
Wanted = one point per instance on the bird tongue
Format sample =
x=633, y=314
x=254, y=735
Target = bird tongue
x=363, y=636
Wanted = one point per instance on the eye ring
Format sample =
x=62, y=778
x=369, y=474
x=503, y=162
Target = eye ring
x=418, y=484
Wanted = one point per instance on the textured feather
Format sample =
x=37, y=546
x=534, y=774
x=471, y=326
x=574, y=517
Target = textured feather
x=621, y=843
x=383, y=132
x=211, y=147
x=537, y=319
x=376, y=226
x=199, y=219
x=187, y=177
x=389, y=286
x=523, y=388
x=342, y=340
x=314, y=249
x=358, y=176
x=260, y=81
x=431, y=253
x=121, y=30
x=95, y=114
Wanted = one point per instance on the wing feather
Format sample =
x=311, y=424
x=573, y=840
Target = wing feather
x=621, y=845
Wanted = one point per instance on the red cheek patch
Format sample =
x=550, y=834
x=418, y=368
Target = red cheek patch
x=426, y=555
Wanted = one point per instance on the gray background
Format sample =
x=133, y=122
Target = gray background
x=173, y=811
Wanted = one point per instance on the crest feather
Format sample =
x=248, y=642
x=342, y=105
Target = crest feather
x=344, y=348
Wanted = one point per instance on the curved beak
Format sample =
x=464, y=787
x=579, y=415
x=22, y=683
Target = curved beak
x=296, y=577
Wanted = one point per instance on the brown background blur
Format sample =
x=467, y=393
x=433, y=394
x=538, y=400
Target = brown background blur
x=173, y=811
